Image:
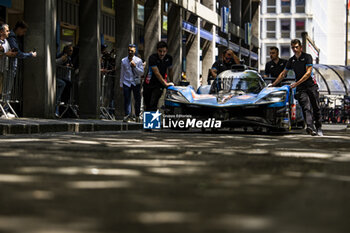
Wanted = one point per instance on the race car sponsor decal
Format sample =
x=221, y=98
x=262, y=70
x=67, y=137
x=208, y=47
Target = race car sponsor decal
x=195, y=96
x=244, y=97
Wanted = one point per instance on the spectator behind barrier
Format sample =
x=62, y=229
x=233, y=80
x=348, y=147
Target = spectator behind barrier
x=64, y=72
x=108, y=68
x=5, y=52
x=20, y=30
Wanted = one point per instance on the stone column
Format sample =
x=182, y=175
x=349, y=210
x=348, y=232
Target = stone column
x=236, y=18
x=292, y=28
x=293, y=5
x=152, y=26
x=278, y=7
x=89, y=58
x=208, y=52
x=125, y=35
x=193, y=56
x=278, y=29
x=175, y=40
x=39, y=81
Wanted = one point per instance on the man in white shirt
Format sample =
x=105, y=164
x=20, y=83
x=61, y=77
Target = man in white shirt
x=5, y=52
x=130, y=81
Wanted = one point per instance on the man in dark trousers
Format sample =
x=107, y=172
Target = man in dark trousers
x=229, y=58
x=131, y=70
x=20, y=30
x=274, y=67
x=159, y=76
x=307, y=89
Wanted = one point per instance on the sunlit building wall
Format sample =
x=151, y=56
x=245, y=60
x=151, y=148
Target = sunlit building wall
x=281, y=21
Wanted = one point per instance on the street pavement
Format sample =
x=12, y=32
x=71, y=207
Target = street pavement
x=35, y=126
x=175, y=181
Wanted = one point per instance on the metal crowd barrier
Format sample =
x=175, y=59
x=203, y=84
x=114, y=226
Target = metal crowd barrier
x=11, y=86
x=106, y=96
x=335, y=109
x=67, y=74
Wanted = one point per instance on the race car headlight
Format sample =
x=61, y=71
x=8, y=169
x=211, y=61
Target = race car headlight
x=274, y=97
x=176, y=96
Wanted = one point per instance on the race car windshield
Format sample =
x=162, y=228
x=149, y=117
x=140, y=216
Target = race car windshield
x=228, y=81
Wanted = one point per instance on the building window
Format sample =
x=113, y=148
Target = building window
x=165, y=10
x=300, y=6
x=166, y=7
x=285, y=28
x=299, y=27
x=285, y=5
x=285, y=52
x=165, y=23
x=140, y=13
x=108, y=4
x=271, y=29
x=271, y=6
x=67, y=35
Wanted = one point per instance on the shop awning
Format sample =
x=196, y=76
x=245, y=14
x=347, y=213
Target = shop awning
x=333, y=80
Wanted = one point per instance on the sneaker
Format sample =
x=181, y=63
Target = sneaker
x=57, y=112
x=9, y=116
x=139, y=119
x=311, y=131
x=319, y=132
x=126, y=119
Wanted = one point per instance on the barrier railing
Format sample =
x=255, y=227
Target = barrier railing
x=67, y=74
x=106, y=96
x=11, y=87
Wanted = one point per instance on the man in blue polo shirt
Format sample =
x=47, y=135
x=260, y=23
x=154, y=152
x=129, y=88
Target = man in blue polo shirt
x=307, y=89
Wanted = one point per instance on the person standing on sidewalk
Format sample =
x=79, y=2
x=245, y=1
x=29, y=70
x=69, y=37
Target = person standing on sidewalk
x=5, y=53
x=307, y=89
x=20, y=30
x=160, y=68
x=131, y=70
x=64, y=69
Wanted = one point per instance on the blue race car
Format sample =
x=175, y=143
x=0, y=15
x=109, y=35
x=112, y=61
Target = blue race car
x=237, y=97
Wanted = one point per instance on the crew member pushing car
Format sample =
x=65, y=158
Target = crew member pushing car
x=307, y=89
x=274, y=67
x=229, y=58
x=160, y=69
